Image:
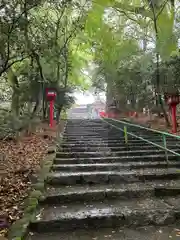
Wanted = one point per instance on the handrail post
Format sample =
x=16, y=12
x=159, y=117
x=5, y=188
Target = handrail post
x=125, y=135
x=165, y=146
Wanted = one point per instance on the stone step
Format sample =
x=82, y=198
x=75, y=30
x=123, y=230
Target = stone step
x=114, y=153
x=113, y=148
x=113, y=166
x=104, y=132
x=97, y=185
x=116, y=233
x=99, y=177
x=115, y=144
x=65, y=194
x=81, y=215
x=118, y=140
x=87, y=131
x=115, y=159
x=99, y=138
x=90, y=126
x=87, y=126
x=78, y=130
x=114, y=138
x=84, y=134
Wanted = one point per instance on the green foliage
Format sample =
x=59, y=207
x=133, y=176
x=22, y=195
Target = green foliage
x=38, y=49
x=125, y=37
x=55, y=43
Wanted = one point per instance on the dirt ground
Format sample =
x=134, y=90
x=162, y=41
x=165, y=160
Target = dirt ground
x=19, y=162
x=153, y=122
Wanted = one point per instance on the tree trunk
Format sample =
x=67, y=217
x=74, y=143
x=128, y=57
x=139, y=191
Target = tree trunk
x=15, y=103
x=109, y=95
x=12, y=79
x=36, y=107
x=59, y=109
x=153, y=7
x=158, y=91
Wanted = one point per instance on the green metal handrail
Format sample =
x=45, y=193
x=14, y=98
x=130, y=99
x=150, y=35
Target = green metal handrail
x=126, y=133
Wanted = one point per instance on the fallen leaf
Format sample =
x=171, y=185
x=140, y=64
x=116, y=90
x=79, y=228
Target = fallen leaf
x=21, y=160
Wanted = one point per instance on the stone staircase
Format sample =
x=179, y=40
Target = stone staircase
x=99, y=188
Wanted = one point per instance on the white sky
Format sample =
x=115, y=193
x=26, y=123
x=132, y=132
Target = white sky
x=86, y=97
x=83, y=99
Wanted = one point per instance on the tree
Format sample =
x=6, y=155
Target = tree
x=119, y=46
x=118, y=25
x=37, y=50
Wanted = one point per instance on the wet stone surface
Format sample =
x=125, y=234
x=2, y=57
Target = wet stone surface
x=66, y=178
x=112, y=159
x=72, y=193
x=88, y=167
x=143, y=233
x=84, y=209
x=101, y=189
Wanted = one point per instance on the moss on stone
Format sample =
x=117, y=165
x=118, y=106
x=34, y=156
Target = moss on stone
x=33, y=202
x=36, y=194
x=51, y=149
x=51, y=156
x=39, y=186
x=18, y=229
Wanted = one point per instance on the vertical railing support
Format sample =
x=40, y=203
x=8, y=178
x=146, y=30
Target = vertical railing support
x=125, y=135
x=165, y=146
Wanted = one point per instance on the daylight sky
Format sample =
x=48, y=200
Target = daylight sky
x=86, y=97
x=82, y=99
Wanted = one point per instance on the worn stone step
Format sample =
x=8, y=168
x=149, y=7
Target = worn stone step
x=114, y=153
x=96, y=138
x=114, y=138
x=72, y=129
x=89, y=127
x=98, y=143
x=88, y=133
x=113, y=166
x=115, y=144
x=94, y=142
x=78, y=131
x=96, y=177
x=97, y=182
x=104, y=132
x=80, y=215
x=119, y=140
x=113, y=148
x=86, y=122
x=115, y=159
x=61, y=195
x=80, y=134
x=117, y=233
x=158, y=188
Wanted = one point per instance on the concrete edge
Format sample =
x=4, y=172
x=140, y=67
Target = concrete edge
x=19, y=230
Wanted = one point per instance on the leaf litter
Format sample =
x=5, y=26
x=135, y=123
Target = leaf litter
x=19, y=164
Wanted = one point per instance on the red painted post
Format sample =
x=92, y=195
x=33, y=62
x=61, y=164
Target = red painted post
x=51, y=113
x=173, y=99
x=51, y=95
x=174, y=123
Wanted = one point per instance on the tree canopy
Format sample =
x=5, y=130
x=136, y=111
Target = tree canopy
x=128, y=48
x=135, y=49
